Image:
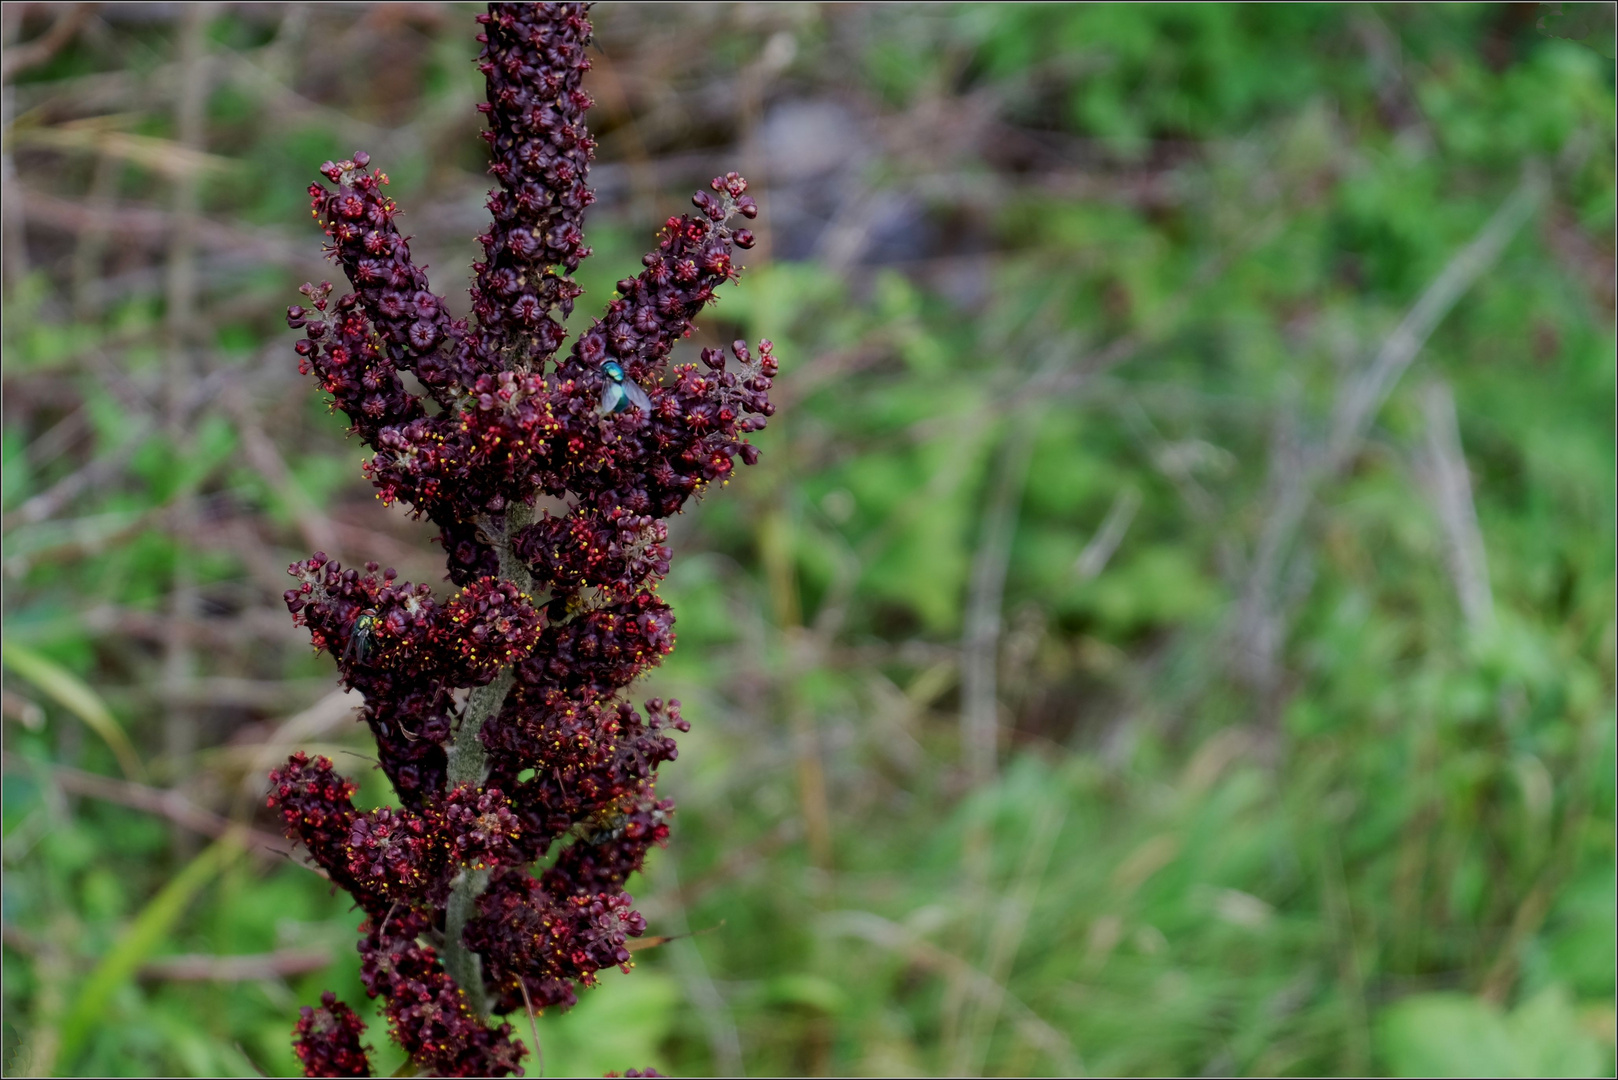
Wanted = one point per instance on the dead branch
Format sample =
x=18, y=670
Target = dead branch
x=247, y=967
x=20, y=58
x=170, y=805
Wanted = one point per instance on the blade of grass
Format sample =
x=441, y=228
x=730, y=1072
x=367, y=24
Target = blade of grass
x=141, y=939
x=73, y=694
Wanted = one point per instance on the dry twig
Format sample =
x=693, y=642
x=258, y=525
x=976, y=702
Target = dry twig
x=1260, y=621
x=171, y=805
x=19, y=58
x=1444, y=473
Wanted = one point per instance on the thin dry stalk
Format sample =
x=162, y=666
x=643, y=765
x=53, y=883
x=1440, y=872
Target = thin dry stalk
x=980, y=641
x=1005, y=941
x=91, y=246
x=245, y=967
x=980, y=644
x=169, y=804
x=180, y=729
x=1099, y=551
x=19, y=58
x=314, y=525
x=1260, y=624
x=1449, y=483
x=873, y=928
x=14, y=255
x=724, y=1042
x=1350, y=970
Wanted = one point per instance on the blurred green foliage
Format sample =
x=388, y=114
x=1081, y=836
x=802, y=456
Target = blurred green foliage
x=1397, y=856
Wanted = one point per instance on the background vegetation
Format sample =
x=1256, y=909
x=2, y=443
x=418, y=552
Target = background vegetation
x=1171, y=629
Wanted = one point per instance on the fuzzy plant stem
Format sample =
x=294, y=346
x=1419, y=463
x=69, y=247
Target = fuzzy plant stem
x=467, y=764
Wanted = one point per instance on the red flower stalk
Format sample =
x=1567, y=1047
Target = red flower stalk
x=498, y=713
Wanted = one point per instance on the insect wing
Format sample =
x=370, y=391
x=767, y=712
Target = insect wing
x=359, y=637
x=612, y=399
x=638, y=398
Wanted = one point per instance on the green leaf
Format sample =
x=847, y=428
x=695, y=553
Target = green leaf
x=1450, y=1034
x=73, y=694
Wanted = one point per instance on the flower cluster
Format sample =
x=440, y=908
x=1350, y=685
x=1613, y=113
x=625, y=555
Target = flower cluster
x=328, y=1040
x=542, y=152
x=525, y=780
x=432, y=1018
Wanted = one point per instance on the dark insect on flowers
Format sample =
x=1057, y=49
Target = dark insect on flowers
x=562, y=608
x=621, y=392
x=359, y=639
x=601, y=829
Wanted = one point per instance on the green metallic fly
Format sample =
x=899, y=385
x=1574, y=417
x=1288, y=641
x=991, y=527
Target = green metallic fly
x=359, y=639
x=621, y=392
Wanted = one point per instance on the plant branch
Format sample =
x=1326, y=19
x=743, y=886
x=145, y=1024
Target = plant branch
x=467, y=765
